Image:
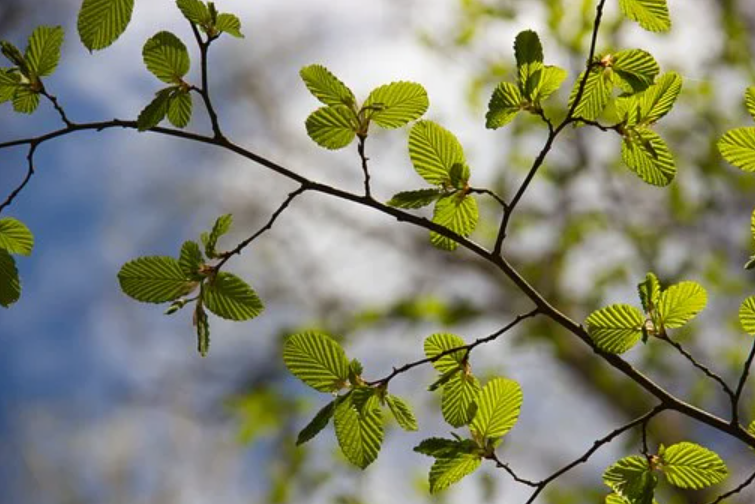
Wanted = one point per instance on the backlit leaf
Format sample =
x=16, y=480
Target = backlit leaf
x=402, y=412
x=317, y=424
x=615, y=328
x=394, y=105
x=504, y=105
x=179, y=109
x=750, y=101
x=317, y=360
x=596, y=95
x=458, y=213
x=458, y=400
x=43, y=51
x=25, y=100
x=10, y=285
x=415, y=199
x=154, y=279
x=166, y=57
x=652, y=15
x=647, y=155
x=230, y=24
x=359, y=435
x=688, y=465
x=737, y=146
x=101, y=22
x=195, y=11
x=433, y=151
x=636, y=69
x=680, y=303
x=438, y=343
x=332, y=127
x=155, y=111
x=498, y=406
x=447, y=471
x=650, y=292
x=15, y=237
x=229, y=297
x=326, y=87
x=632, y=479
x=747, y=315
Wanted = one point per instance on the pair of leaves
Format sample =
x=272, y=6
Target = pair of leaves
x=685, y=465
x=15, y=238
x=209, y=20
x=335, y=125
x=618, y=327
x=536, y=82
x=320, y=362
x=21, y=83
x=737, y=146
x=168, y=59
x=438, y=157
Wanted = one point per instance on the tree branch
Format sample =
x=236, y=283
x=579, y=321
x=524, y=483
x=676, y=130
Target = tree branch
x=741, y=385
x=699, y=366
x=365, y=169
x=204, y=91
x=29, y=172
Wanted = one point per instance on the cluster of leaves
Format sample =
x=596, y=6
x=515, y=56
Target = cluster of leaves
x=163, y=279
x=21, y=84
x=685, y=465
x=15, y=238
x=618, y=327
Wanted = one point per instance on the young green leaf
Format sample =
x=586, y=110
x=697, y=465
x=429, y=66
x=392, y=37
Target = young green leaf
x=737, y=146
x=229, y=297
x=317, y=424
x=10, y=81
x=615, y=328
x=221, y=226
x=202, y=323
x=154, y=279
x=632, y=479
x=332, y=127
x=549, y=80
x=15, y=237
x=396, y=104
x=195, y=11
x=14, y=55
x=750, y=101
x=650, y=292
x=402, y=412
x=529, y=61
x=10, y=285
x=504, y=105
x=459, y=175
x=458, y=401
x=447, y=471
x=636, y=69
x=498, y=406
x=658, y=99
x=101, y=22
x=190, y=260
x=680, y=303
x=25, y=100
x=415, y=199
x=688, y=465
x=180, y=108
x=596, y=95
x=166, y=57
x=155, y=111
x=647, y=155
x=747, y=315
x=458, y=213
x=438, y=343
x=43, y=51
x=433, y=151
x=326, y=87
x=230, y=24
x=652, y=15
x=317, y=360
x=446, y=448
x=359, y=434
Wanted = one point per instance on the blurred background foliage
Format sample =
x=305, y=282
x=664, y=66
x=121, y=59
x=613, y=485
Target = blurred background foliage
x=168, y=428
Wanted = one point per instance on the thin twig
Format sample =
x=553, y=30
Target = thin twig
x=502, y=465
x=54, y=100
x=741, y=385
x=596, y=124
x=477, y=190
x=736, y=490
x=204, y=91
x=29, y=172
x=710, y=374
x=365, y=169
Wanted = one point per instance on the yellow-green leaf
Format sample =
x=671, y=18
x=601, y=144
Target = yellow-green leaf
x=615, y=328
x=317, y=360
x=332, y=127
x=458, y=213
x=229, y=297
x=101, y=22
x=498, y=406
x=737, y=146
x=10, y=285
x=396, y=104
x=680, y=303
x=43, y=51
x=15, y=237
x=166, y=57
x=154, y=279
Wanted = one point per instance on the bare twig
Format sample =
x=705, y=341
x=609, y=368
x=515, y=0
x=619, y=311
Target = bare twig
x=29, y=172
x=736, y=490
x=204, y=91
x=710, y=374
x=477, y=190
x=57, y=106
x=365, y=169
x=502, y=465
x=741, y=385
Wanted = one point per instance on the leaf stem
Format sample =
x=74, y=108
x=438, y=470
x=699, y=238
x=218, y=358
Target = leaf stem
x=365, y=169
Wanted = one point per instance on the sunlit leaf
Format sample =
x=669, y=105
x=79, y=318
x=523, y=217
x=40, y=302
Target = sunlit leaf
x=25, y=100
x=166, y=57
x=317, y=360
x=195, y=11
x=688, y=465
x=737, y=146
x=650, y=292
x=750, y=101
x=434, y=151
x=155, y=111
x=458, y=401
x=229, y=297
x=415, y=199
x=402, y=412
x=15, y=237
x=632, y=478
x=504, y=105
x=101, y=22
x=317, y=424
x=498, y=406
x=179, y=109
x=647, y=155
x=447, y=471
x=636, y=69
x=747, y=315
x=680, y=303
x=396, y=104
x=326, y=87
x=154, y=279
x=615, y=328
x=230, y=24
x=459, y=214
x=332, y=127
x=43, y=51
x=438, y=343
x=359, y=434
x=596, y=95
x=652, y=15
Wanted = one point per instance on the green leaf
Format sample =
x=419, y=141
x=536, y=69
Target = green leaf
x=25, y=100
x=647, y=155
x=10, y=285
x=166, y=57
x=202, y=323
x=396, y=104
x=179, y=108
x=747, y=315
x=415, y=199
x=650, y=292
x=635, y=68
x=433, y=151
x=229, y=297
x=230, y=24
x=458, y=213
x=154, y=279
x=317, y=360
x=504, y=105
x=549, y=80
x=326, y=87
x=750, y=101
x=458, y=400
x=498, y=406
x=317, y=424
x=632, y=478
x=446, y=448
x=332, y=127
x=10, y=81
x=652, y=15
x=659, y=99
x=43, y=51
x=15, y=237
x=195, y=11
x=459, y=175
x=596, y=95
x=529, y=61
x=14, y=55
x=447, y=471
x=680, y=303
x=356, y=369
x=615, y=328
x=101, y=22
x=688, y=465
x=221, y=226
x=737, y=146
x=155, y=111
x=359, y=434
x=438, y=343
x=402, y=412
x=190, y=260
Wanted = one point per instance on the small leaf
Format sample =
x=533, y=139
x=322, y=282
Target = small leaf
x=15, y=237
x=652, y=15
x=504, y=105
x=647, y=155
x=155, y=111
x=180, y=108
x=191, y=259
x=438, y=343
x=154, y=279
x=747, y=315
x=166, y=57
x=447, y=471
x=10, y=81
x=26, y=100
x=317, y=424
x=332, y=127
x=396, y=104
x=415, y=199
x=680, y=303
x=596, y=95
x=459, y=175
x=326, y=87
x=529, y=61
x=222, y=226
x=615, y=328
x=498, y=406
x=229, y=297
x=195, y=11
x=355, y=368
x=230, y=24
x=43, y=52
x=549, y=80
x=688, y=465
x=317, y=360
x=635, y=68
x=458, y=213
x=458, y=400
x=101, y=22
x=737, y=146
x=659, y=99
x=445, y=448
x=10, y=285
x=650, y=293
x=202, y=324
x=359, y=435
x=14, y=55
x=750, y=101
x=433, y=151
x=402, y=412
x=632, y=479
